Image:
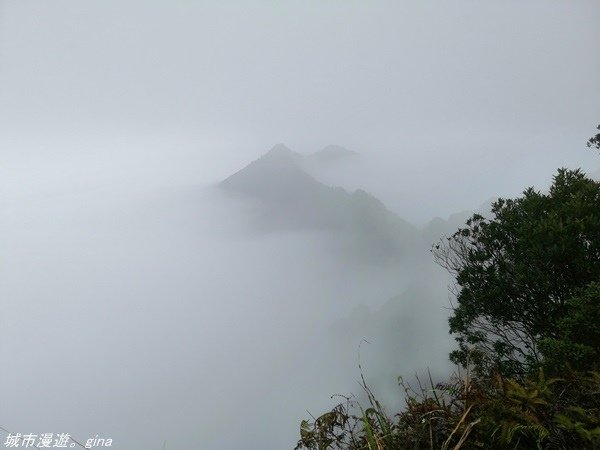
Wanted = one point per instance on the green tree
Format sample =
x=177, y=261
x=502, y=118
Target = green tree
x=518, y=275
x=578, y=344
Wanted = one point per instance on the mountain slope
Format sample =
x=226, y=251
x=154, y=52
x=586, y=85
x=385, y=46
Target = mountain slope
x=288, y=197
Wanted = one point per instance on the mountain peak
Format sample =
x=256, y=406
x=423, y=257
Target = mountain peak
x=274, y=175
x=333, y=152
x=280, y=148
x=281, y=152
x=287, y=196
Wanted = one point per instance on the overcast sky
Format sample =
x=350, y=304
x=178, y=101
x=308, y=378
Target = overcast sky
x=131, y=298
x=465, y=99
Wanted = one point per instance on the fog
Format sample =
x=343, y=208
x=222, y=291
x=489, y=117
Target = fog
x=145, y=303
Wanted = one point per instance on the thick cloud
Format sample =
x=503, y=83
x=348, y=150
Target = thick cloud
x=141, y=303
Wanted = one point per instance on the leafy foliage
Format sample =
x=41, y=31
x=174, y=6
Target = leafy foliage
x=498, y=413
x=528, y=306
x=434, y=416
x=517, y=273
x=578, y=346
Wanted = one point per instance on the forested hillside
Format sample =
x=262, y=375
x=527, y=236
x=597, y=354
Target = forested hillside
x=526, y=318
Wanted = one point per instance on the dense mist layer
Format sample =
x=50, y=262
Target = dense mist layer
x=129, y=310
x=167, y=281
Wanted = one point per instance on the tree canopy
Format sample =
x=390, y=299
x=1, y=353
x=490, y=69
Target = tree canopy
x=526, y=318
x=522, y=276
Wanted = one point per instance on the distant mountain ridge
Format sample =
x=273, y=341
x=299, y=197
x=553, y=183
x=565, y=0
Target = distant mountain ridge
x=289, y=197
x=333, y=152
x=276, y=176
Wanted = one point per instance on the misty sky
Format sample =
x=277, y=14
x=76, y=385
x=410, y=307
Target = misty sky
x=465, y=100
x=134, y=297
